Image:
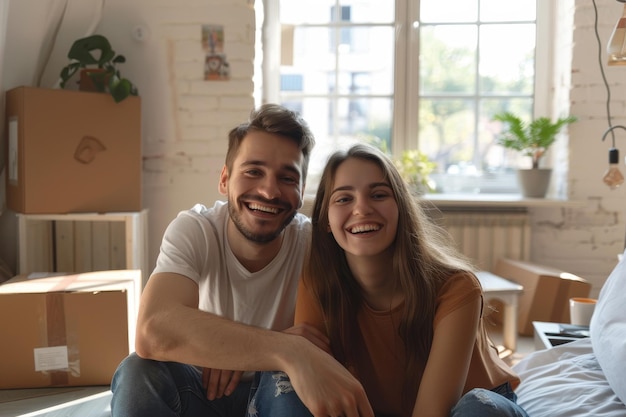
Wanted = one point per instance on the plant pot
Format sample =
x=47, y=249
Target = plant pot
x=534, y=182
x=93, y=80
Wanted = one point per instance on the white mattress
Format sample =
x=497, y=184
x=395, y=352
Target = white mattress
x=566, y=381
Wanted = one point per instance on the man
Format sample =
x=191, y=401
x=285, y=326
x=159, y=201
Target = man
x=221, y=298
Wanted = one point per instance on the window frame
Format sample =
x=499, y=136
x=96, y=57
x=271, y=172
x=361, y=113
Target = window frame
x=405, y=124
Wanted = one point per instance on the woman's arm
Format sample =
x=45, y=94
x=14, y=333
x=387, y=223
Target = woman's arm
x=448, y=364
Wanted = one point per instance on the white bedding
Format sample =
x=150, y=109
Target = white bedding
x=566, y=381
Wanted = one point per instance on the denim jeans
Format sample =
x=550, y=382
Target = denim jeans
x=480, y=402
x=143, y=387
x=274, y=397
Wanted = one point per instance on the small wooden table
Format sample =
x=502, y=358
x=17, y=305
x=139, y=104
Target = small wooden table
x=496, y=287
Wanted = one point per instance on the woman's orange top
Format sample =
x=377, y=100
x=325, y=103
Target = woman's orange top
x=380, y=359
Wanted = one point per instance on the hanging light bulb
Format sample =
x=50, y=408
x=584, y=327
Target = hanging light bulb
x=617, y=42
x=613, y=177
x=617, y=56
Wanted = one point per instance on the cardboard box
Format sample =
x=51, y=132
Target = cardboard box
x=546, y=292
x=72, y=152
x=66, y=330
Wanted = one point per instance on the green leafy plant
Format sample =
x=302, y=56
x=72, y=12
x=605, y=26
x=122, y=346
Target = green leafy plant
x=531, y=139
x=95, y=52
x=415, y=167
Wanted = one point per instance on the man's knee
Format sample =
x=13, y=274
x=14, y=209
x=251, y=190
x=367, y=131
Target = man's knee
x=134, y=369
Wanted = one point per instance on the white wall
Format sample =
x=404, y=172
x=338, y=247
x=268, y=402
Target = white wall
x=186, y=120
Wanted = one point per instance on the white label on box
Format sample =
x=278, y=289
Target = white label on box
x=13, y=157
x=51, y=358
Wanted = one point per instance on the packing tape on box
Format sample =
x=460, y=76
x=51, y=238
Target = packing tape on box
x=60, y=358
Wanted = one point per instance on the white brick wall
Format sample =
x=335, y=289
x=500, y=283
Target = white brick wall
x=187, y=119
x=586, y=240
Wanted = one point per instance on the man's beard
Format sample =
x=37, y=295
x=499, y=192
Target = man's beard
x=235, y=216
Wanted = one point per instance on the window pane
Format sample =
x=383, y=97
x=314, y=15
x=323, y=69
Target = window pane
x=447, y=131
x=337, y=124
x=441, y=11
x=447, y=137
x=366, y=65
x=501, y=11
x=298, y=12
x=507, y=58
x=369, y=11
x=455, y=124
x=293, y=12
x=494, y=157
x=312, y=59
x=448, y=59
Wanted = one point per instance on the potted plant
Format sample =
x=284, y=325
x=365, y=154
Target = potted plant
x=415, y=167
x=96, y=60
x=532, y=139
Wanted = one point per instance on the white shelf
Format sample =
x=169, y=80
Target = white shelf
x=83, y=242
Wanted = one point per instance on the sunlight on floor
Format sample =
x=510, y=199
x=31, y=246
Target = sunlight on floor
x=525, y=345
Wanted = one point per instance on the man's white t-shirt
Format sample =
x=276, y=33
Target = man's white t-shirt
x=195, y=245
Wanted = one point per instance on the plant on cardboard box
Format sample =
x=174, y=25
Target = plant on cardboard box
x=96, y=59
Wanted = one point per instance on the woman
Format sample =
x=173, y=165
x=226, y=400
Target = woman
x=402, y=309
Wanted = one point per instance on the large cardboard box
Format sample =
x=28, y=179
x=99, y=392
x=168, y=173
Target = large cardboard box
x=66, y=330
x=72, y=151
x=546, y=292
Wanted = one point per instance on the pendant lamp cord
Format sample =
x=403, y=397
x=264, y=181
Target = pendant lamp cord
x=606, y=83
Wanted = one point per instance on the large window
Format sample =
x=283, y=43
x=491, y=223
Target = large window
x=409, y=74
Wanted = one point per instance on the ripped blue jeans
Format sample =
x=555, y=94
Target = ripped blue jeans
x=274, y=397
x=143, y=387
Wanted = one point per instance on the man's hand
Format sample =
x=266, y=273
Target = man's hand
x=324, y=385
x=219, y=382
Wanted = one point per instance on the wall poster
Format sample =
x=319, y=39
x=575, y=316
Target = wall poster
x=216, y=65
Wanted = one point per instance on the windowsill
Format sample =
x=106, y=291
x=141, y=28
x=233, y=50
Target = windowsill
x=481, y=201
x=498, y=200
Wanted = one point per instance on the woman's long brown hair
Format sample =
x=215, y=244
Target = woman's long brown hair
x=423, y=258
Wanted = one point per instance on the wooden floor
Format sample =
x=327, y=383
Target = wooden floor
x=56, y=402
x=525, y=345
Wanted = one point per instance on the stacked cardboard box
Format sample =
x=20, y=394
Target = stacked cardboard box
x=72, y=152
x=66, y=330
x=546, y=292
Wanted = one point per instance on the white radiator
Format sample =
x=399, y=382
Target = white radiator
x=487, y=235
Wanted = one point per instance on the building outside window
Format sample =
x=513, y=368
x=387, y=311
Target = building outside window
x=410, y=74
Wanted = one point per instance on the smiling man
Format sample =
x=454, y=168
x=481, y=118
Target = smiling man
x=221, y=299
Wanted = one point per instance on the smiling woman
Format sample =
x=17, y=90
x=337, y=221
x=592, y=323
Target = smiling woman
x=362, y=212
